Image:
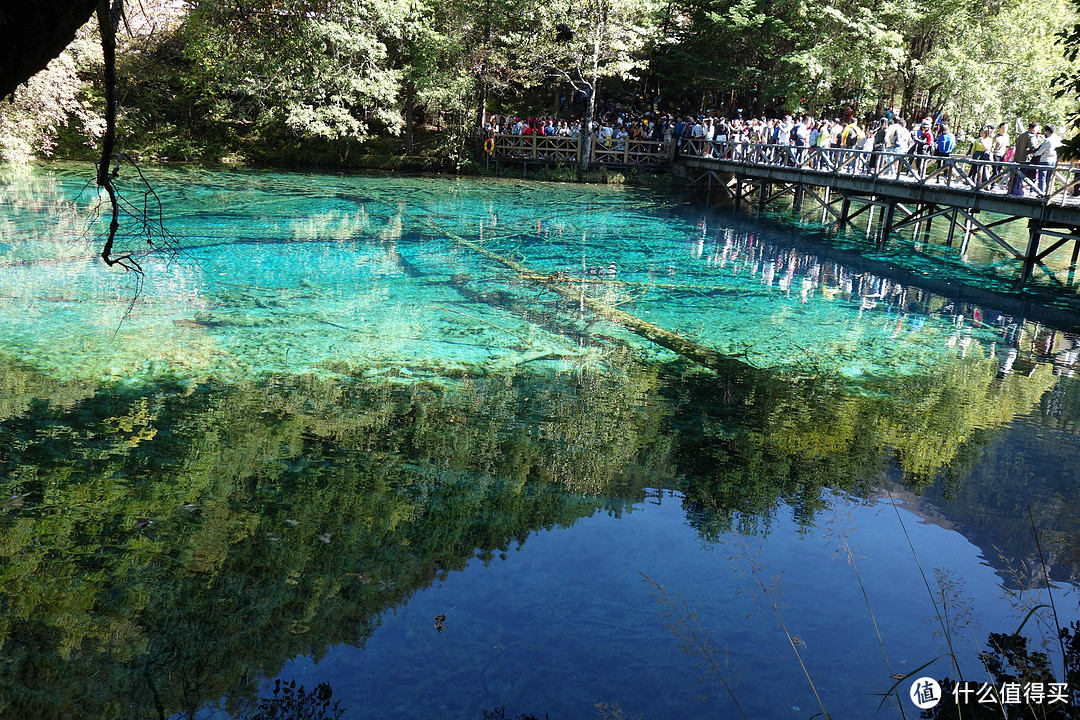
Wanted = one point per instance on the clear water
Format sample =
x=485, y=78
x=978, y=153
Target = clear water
x=290, y=273
x=328, y=419
x=926, y=250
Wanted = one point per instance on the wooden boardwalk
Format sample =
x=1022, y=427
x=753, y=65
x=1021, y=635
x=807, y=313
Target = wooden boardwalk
x=554, y=150
x=902, y=190
x=908, y=190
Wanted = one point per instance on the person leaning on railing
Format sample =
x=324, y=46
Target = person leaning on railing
x=1046, y=156
x=980, y=151
x=819, y=142
x=1026, y=143
x=850, y=137
x=898, y=142
x=880, y=131
x=944, y=144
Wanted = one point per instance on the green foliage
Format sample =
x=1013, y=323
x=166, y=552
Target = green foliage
x=760, y=64
x=289, y=81
x=988, y=70
x=165, y=542
x=1067, y=82
x=784, y=442
x=314, y=69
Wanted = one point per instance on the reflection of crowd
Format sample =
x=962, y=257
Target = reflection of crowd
x=1015, y=342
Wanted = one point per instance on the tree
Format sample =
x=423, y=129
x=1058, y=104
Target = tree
x=759, y=69
x=1068, y=84
x=49, y=101
x=313, y=68
x=434, y=76
x=597, y=40
x=847, y=66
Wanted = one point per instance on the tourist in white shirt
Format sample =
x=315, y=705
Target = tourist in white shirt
x=1046, y=154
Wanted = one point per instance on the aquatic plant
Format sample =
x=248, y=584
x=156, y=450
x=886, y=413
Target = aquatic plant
x=695, y=639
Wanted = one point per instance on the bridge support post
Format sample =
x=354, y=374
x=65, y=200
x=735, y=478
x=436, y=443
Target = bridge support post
x=886, y=225
x=1034, y=236
x=826, y=198
x=763, y=195
x=952, y=227
x=968, y=232
x=1072, y=263
x=738, y=192
x=845, y=206
x=799, y=191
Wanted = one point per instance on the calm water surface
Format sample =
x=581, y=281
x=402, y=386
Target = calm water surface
x=330, y=436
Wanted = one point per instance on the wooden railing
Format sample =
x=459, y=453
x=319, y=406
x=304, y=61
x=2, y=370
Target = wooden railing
x=1055, y=184
x=567, y=150
x=628, y=152
x=550, y=148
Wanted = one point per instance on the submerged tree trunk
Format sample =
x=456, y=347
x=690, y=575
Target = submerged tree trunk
x=693, y=351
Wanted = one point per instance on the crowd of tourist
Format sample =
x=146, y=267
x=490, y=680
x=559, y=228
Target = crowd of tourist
x=804, y=140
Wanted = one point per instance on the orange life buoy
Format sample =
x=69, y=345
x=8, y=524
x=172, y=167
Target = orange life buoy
x=489, y=145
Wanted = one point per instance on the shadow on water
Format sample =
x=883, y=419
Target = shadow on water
x=168, y=545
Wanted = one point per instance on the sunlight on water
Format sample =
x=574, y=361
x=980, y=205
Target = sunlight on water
x=293, y=272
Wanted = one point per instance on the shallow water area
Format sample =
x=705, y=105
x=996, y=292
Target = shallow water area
x=450, y=445
x=278, y=272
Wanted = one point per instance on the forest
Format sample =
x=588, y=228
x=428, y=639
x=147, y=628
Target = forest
x=323, y=82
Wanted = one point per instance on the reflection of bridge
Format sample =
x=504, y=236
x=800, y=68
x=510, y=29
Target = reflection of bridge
x=907, y=189
x=904, y=190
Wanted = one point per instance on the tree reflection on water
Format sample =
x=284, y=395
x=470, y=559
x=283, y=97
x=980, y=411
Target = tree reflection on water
x=167, y=545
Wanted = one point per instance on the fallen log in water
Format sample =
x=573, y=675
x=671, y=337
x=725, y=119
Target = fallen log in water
x=702, y=355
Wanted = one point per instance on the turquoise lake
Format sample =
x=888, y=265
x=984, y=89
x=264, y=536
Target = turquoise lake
x=415, y=438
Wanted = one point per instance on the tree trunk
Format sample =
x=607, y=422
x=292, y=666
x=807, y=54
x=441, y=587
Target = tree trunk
x=481, y=110
x=410, y=116
x=590, y=113
x=907, y=97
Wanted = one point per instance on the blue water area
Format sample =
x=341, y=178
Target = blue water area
x=570, y=620
x=443, y=446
